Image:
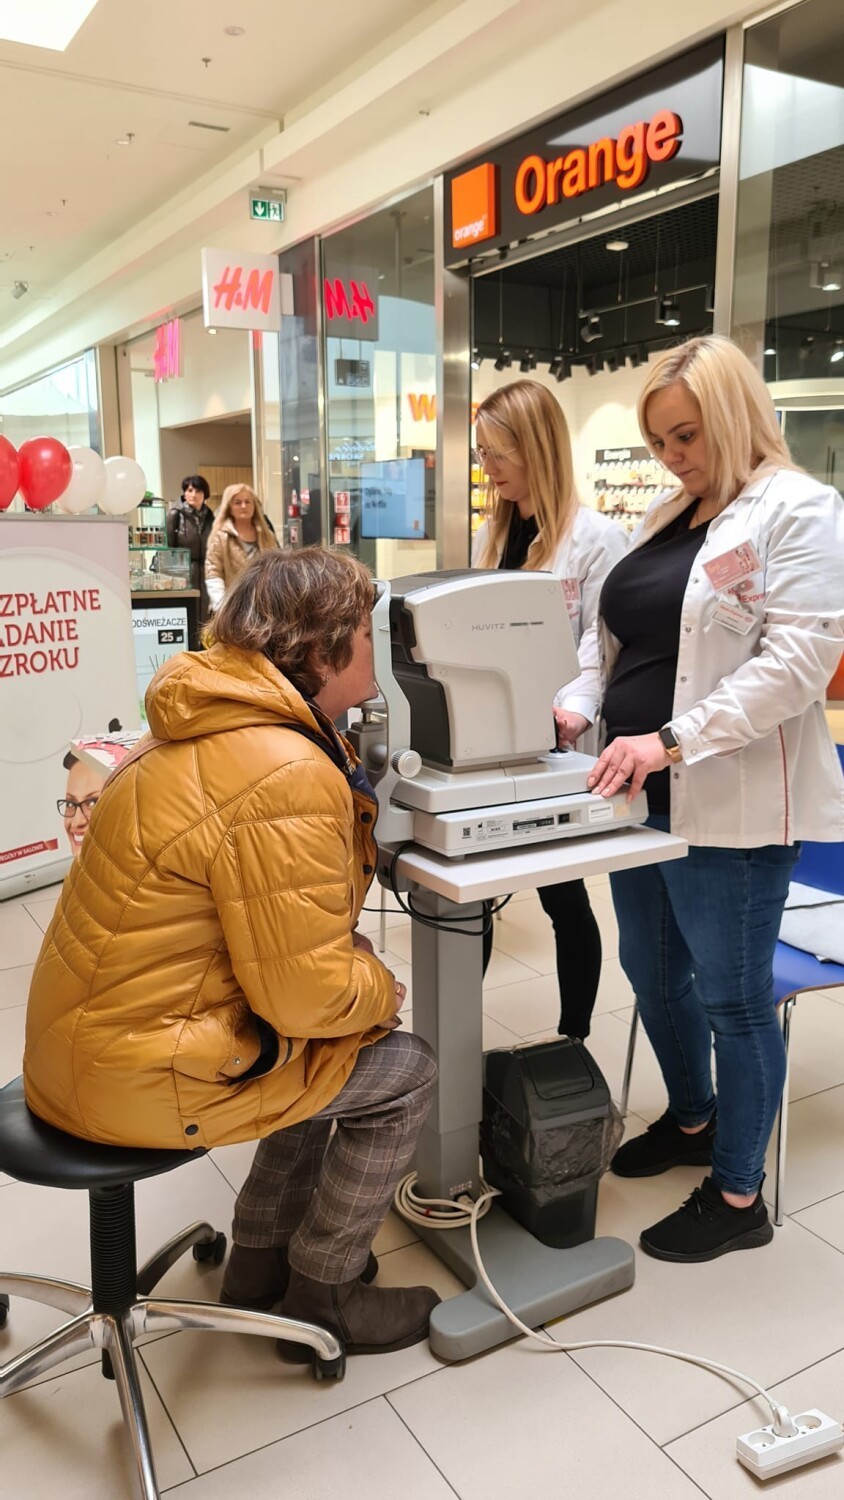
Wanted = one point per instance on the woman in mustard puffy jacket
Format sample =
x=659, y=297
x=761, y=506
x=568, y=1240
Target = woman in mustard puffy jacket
x=202, y=982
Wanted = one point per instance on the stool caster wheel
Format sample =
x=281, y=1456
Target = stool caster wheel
x=329, y=1369
x=4, y=1309
x=213, y=1250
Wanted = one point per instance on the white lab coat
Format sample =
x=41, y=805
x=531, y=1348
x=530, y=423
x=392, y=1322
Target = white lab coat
x=584, y=558
x=759, y=765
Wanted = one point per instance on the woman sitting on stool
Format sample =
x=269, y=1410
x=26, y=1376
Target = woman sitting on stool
x=202, y=982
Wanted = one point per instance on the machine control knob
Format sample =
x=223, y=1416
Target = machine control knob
x=408, y=763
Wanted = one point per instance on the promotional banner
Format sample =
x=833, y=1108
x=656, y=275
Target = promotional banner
x=159, y=634
x=67, y=670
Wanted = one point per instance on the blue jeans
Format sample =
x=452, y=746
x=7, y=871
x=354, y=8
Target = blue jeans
x=696, y=941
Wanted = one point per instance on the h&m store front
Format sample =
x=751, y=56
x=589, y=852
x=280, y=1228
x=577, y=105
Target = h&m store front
x=706, y=195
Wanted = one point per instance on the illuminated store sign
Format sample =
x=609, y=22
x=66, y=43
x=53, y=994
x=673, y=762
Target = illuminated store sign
x=654, y=131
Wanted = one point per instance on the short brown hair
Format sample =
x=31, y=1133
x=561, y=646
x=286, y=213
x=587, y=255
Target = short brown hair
x=301, y=608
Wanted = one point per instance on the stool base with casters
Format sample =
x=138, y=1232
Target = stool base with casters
x=118, y=1307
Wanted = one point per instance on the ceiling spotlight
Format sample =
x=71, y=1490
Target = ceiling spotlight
x=20, y=289
x=504, y=360
x=636, y=357
x=668, y=312
x=709, y=300
x=593, y=365
x=591, y=329
x=563, y=369
x=770, y=350
x=825, y=277
x=556, y=361
x=617, y=246
x=528, y=362
x=477, y=359
x=611, y=362
x=837, y=353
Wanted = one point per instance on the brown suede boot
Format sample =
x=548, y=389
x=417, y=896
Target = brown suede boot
x=258, y=1279
x=368, y=1319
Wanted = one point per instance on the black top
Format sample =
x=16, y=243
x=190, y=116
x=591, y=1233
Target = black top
x=641, y=602
x=519, y=537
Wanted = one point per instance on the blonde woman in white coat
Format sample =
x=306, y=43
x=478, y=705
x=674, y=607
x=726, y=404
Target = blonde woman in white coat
x=535, y=521
x=720, y=630
x=239, y=533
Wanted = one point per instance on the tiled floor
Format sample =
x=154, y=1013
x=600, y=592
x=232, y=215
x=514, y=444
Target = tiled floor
x=230, y=1421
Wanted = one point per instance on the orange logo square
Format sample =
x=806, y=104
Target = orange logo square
x=474, y=206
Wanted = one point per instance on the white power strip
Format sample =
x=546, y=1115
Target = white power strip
x=765, y=1453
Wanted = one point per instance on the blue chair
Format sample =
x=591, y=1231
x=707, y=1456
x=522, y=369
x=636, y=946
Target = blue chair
x=795, y=973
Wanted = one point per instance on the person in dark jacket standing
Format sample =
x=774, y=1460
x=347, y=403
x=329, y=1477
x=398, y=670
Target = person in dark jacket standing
x=189, y=524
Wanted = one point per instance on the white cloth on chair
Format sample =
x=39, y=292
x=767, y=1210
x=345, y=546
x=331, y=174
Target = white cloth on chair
x=813, y=920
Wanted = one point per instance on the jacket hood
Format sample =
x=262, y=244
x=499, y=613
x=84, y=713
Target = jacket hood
x=206, y=692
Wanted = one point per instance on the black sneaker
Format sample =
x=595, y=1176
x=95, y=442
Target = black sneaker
x=664, y=1145
x=706, y=1227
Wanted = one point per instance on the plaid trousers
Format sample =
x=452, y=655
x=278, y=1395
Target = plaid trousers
x=326, y=1194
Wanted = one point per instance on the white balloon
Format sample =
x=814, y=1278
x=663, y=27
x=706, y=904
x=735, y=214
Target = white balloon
x=87, y=483
x=125, y=486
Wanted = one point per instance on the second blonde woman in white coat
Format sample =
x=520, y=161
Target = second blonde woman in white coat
x=536, y=521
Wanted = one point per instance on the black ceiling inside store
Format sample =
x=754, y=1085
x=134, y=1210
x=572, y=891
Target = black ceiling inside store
x=538, y=306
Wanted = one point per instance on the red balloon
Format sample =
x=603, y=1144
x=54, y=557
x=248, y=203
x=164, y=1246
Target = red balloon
x=46, y=471
x=10, y=472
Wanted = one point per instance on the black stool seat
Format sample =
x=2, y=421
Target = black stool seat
x=35, y=1152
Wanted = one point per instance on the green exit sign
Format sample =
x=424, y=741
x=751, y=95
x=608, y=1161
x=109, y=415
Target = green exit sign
x=269, y=209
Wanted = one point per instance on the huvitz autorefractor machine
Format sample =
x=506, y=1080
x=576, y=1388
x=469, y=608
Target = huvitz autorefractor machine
x=463, y=749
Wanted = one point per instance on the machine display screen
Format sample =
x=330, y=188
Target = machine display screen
x=392, y=499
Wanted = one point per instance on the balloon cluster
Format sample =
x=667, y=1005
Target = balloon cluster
x=44, y=471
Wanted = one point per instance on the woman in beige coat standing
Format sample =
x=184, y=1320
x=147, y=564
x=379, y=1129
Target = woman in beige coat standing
x=240, y=531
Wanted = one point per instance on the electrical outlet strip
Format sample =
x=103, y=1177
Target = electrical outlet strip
x=766, y=1455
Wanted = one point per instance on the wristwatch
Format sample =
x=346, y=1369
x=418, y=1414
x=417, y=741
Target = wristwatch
x=672, y=749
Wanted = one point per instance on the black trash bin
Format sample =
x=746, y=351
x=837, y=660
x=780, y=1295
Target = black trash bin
x=548, y=1133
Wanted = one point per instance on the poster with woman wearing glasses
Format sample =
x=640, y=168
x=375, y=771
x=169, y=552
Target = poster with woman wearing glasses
x=88, y=764
x=67, y=669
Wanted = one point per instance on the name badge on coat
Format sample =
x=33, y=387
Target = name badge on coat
x=732, y=567
x=571, y=594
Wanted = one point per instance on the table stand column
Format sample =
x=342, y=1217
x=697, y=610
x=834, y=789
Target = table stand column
x=538, y=1283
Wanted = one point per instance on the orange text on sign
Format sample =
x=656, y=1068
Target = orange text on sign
x=423, y=408
x=474, y=207
x=625, y=161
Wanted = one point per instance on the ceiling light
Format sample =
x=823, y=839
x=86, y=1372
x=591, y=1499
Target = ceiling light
x=43, y=23
x=210, y=330
x=125, y=140
x=21, y=288
x=504, y=360
x=591, y=329
x=668, y=312
x=528, y=362
x=825, y=277
x=617, y=245
x=234, y=30
x=611, y=363
x=770, y=350
x=835, y=356
x=477, y=359
x=563, y=369
x=709, y=300
x=593, y=365
x=636, y=357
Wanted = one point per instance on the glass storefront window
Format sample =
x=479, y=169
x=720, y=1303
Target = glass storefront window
x=788, y=310
x=380, y=383
x=63, y=405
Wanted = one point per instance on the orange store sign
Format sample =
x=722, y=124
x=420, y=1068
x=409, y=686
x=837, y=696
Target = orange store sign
x=474, y=206
x=624, y=161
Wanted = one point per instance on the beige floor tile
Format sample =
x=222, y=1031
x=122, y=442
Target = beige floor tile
x=416, y=1265
x=365, y=1454
x=522, y=1422
x=395, y=1233
x=814, y=1161
x=770, y=1313
x=626, y=1205
x=235, y=1162
x=65, y=1438
x=44, y=1231
x=20, y=937
x=825, y=1220
x=41, y=911
x=708, y=1454
x=229, y=1395
x=534, y=1004
x=14, y=986
x=12, y=1030
x=816, y=1046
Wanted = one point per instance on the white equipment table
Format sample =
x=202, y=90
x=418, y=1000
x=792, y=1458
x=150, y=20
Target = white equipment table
x=537, y=1282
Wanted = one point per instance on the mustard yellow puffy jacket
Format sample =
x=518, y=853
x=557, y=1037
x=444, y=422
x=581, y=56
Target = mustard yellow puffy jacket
x=219, y=881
